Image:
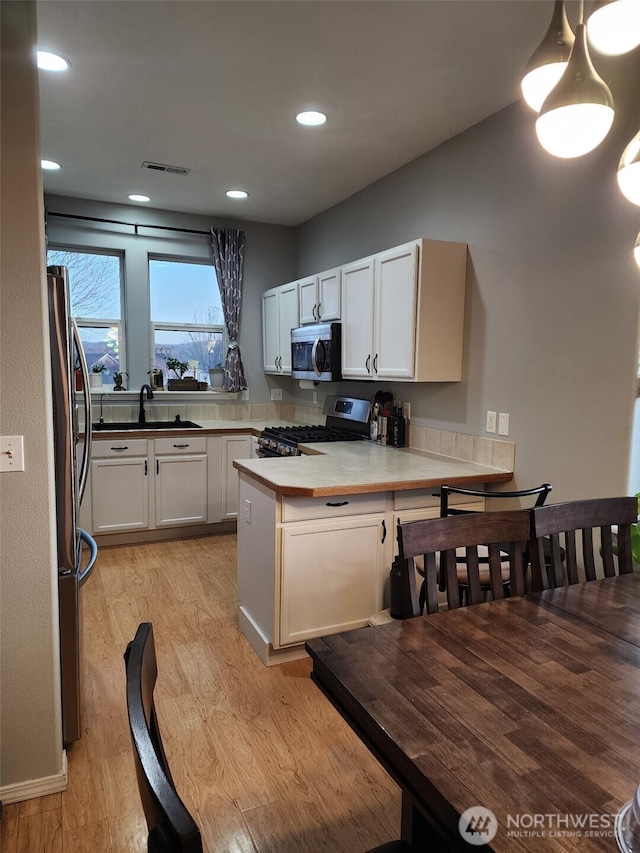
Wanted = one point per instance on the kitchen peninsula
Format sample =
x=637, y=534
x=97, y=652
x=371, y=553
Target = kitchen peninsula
x=316, y=535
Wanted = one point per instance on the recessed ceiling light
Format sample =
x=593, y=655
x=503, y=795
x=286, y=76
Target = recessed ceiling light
x=237, y=194
x=311, y=118
x=136, y=197
x=48, y=61
x=51, y=165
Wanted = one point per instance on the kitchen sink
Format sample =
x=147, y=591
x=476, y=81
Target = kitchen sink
x=131, y=425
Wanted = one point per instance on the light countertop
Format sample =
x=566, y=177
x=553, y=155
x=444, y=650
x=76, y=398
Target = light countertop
x=343, y=467
x=358, y=467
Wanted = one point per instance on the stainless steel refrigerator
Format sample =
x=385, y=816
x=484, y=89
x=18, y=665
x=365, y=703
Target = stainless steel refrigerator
x=74, y=545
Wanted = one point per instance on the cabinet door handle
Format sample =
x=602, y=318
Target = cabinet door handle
x=337, y=503
x=375, y=364
x=384, y=531
x=368, y=362
x=145, y=467
x=318, y=312
x=120, y=449
x=157, y=466
x=181, y=445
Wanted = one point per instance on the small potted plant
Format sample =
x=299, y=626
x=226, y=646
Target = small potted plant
x=182, y=383
x=117, y=378
x=216, y=375
x=95, y=377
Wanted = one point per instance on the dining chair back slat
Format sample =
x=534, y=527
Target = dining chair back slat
x=441, y=537
x=611, y=517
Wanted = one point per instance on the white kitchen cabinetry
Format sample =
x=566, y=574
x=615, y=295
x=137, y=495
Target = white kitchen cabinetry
x=119, y=485
x=280, y=314
x=320, y=297
x=233, y=447
x=308, y=566
x=403, y=313
x=181, y=495
x=357, y=319
x=331, y=575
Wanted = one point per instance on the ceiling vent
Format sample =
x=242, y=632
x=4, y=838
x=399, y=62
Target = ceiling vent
x=162, y=167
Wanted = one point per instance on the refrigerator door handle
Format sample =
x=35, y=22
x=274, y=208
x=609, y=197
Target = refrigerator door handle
x=88, y=414
x=83, y=575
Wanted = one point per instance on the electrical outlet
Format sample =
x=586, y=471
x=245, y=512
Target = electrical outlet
x=245, y=394
x=247, y=511
x=276, y=393
x=503, y=423
x=491, y=421
x=406, y=411
x=314, y=396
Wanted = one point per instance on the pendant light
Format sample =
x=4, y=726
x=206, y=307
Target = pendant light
x=578, y=113
x=614, y=26
x=629, y=171
x=636, y=251
x=549, y=60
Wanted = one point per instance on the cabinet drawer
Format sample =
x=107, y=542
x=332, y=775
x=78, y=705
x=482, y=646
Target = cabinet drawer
x=332, y=506
x=180, y=444
x=415, y=498
x=117, y=447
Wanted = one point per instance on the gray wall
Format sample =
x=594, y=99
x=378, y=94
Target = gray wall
x=269, y=260
x=553, y=290
x=30, y=735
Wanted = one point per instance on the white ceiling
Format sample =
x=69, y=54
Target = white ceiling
x=213, y=86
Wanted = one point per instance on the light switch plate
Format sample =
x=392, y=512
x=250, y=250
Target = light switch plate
x=503, y=423
x=11, y=453
x=245, y=394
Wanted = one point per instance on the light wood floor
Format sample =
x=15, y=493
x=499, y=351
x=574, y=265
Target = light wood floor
x=258, y=754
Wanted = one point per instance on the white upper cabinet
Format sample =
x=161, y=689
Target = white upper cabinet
x=403, y=313
x=357, y=319
x=280, y=314
x=320, y=298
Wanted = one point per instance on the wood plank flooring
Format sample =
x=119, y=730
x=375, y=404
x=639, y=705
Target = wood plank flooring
x=258, y=754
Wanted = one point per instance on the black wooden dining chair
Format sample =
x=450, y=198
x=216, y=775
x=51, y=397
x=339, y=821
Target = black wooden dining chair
x=447, y=509
x=564, y=525
x=171, y=827
x=487, y=537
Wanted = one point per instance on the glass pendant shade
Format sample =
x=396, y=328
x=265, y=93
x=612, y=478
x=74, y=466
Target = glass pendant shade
x=629, y=171
x=578, y=113
x=636, y=251
x=549, y=60
x=614, y=26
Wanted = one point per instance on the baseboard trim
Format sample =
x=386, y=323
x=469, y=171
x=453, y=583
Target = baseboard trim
x=32, y=788
x=261, y=645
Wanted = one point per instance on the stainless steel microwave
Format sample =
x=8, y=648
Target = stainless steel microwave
x=316, y=352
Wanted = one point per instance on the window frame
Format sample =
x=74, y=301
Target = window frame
x=183, y=327
x=94, y=322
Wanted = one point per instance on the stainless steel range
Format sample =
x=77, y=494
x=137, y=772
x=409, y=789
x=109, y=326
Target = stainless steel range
x=347, y=420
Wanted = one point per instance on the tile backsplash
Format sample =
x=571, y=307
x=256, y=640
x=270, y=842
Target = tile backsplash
x=471, y=448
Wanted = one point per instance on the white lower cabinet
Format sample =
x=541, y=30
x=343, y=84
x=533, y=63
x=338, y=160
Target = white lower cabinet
x=233, y=447
x=119, y=486
x=331, y=576
x=140, y=484
x=308, y=567
x=180, y=483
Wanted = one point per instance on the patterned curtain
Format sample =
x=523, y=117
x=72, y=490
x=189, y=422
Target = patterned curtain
x=228, y=258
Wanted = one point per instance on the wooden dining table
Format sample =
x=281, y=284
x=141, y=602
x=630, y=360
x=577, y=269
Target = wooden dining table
x=528, y=707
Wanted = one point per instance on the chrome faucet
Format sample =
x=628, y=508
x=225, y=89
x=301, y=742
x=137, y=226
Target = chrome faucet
x=141, y=415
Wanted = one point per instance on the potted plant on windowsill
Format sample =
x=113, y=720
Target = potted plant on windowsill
x=95, y=377
x=182, y=383
x=216, y=375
